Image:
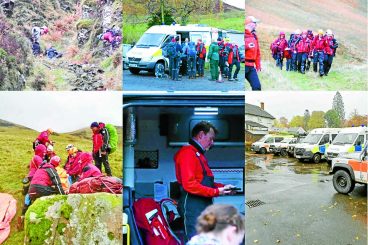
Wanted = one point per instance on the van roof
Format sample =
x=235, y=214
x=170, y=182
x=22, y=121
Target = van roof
x=325, y=130
x=165, y=29
x=354, y=130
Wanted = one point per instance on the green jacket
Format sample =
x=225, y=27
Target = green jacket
x=213, y=53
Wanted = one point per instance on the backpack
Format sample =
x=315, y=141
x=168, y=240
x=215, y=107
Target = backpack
x=171, y=50
x=113, y=137
x=98, y=184
x=152, y=223
x=192, y=50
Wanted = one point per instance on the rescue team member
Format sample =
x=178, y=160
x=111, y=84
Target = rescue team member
x=293, y=41
x=303, y=49
x=252, y=53
x=43, y=138
x=214, y=57
x=100, y=150
x=195, y=177
x=319, y=45
x=330, y=51
x=277, y=48
x=234, y=59
x=310, y=56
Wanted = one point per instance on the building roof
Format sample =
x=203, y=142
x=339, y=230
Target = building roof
x=257, y=111
x=254, y=124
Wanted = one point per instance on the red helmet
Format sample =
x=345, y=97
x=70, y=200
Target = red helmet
x=55, y=161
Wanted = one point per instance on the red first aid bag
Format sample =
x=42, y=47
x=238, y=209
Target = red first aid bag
x=98, y=184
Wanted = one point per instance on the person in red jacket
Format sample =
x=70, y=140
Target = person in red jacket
x=277, y=48
x=84, y=167
x=100, y=150
x=252, y=53
x=201, y=57
x=43, y=138
x=234, y=59
x=37, y=159
x=195, y=177
x=310, y=55
x=303, y=49
x=319, y=45
x=46, y=180
x=330, y=51
x=288, y=57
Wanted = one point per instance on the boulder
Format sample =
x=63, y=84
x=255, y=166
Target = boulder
x=75, y=219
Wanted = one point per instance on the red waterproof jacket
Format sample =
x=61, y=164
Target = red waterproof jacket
x=69, y=165
x=37, y=159
x=234, y=54
x=41, y=177
x=330, y=43
x=319, y=44
x=89, y=170
x=287, y=54
x=201, y=50
x=97, y=139
x=303, y=46
x=252, y=50
x=189, y=172
x=43, y=138
x=279, y=45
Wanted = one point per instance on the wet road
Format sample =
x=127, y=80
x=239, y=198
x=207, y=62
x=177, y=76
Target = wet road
x=146, y=81
x=300, y=204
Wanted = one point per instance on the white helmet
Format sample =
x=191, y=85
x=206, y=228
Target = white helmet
x=50, y=148
x=297, y=32
x=329, y=32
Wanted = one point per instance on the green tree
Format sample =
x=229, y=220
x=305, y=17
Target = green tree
x=297, y=121
x=306, y=119
x=332, y=119
x=316, y=120
x=338, y=106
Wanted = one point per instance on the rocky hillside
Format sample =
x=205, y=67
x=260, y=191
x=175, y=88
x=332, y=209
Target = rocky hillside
x=75, y=31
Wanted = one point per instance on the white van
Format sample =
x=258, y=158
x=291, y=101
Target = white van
x=263, y=145
x=147, y=55
x=314, y=146
x=349, y=140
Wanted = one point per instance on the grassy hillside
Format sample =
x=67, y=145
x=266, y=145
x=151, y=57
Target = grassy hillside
x=132, y=31
x=16, y=152
x=346, y=18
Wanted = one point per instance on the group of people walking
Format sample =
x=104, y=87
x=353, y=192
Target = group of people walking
x=302, y=48
x=46, y=177
x=189, y=59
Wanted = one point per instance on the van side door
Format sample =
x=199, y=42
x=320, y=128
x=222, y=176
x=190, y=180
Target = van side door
x=323, y=143
x=358, y=144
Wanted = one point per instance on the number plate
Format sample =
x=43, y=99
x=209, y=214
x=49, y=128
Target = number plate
x=133, y=65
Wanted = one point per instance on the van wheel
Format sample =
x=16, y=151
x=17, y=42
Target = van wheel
x=316, y=158
x=135, y=71
x=342, y=182
x=263, y=150
x=159, y=69
x=283, y=153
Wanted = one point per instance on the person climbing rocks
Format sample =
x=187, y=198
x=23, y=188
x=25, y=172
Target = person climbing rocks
x=278, y=47
x=36, y=49
x=100, y=150
x=37, y=32
x=252, y=53
x=43, y=138
x=51, y=52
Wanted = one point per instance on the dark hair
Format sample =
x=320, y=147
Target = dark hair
x=177, y=38
x=217, y=217
x=203, y=126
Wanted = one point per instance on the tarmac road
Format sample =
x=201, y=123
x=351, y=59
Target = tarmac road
x=301, y=205
x=146, y=81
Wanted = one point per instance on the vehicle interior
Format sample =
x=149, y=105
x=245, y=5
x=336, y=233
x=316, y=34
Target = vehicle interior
x=154, y=130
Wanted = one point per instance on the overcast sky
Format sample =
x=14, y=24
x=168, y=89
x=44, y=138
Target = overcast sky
x=289, y=104
x=61, y=111
x=236, y=3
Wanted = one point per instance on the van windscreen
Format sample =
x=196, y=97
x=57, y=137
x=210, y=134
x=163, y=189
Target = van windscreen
x=312, y=138
x=150, y=40
x=342, y=139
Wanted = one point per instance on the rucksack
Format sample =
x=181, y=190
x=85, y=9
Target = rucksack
x=113, y=137
x=98, y=184
x=151, y=221
x=171, y=50
x=192, y=50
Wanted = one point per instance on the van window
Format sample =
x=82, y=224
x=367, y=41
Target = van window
x=195, y=36
x=333, y=136
x=270, y=140
x=150, y=40
x=360, y=140
x=278, y=139
x=325, y=139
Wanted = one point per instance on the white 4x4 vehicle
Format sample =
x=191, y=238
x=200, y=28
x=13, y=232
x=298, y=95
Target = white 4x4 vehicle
x=348, y=170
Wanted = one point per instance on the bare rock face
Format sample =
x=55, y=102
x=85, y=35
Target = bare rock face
x=75, y=219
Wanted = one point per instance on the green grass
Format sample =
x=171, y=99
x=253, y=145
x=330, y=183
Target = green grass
x=16, y=152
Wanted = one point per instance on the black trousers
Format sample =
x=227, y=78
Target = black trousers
x=103, y=159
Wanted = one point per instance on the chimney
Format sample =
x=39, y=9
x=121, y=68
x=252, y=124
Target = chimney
x=262, y=105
